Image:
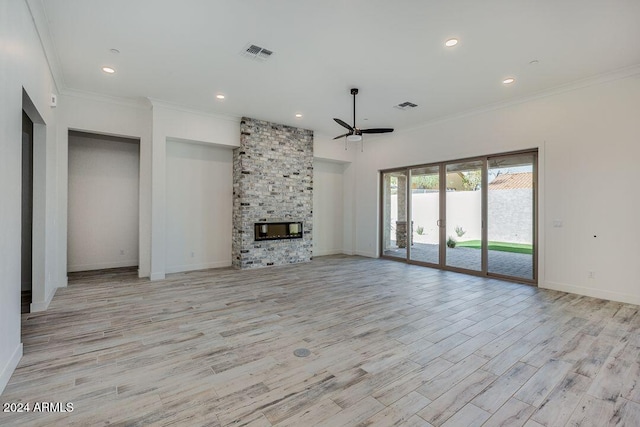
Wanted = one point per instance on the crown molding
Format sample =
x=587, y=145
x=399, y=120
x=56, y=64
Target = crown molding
x=618, y=74
x=140, y=103
x=145, y=104
x=41, y=26
x=182, y=108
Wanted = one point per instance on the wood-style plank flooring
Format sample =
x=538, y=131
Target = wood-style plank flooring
x=391, y=344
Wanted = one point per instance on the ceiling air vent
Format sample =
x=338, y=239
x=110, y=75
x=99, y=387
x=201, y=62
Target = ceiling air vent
x=256, y=52
x=405, y=105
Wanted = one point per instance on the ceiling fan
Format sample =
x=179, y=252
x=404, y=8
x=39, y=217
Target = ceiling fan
x=355, y=133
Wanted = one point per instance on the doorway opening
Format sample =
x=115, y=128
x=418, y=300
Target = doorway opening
x=476, y=216
x=26, y=277
x=33, y=166
x=103, y=202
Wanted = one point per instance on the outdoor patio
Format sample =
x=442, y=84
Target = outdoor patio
x=505, y=263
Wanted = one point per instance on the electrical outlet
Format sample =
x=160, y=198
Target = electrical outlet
x=193, y=254
x=592, y=275
x=121, y=251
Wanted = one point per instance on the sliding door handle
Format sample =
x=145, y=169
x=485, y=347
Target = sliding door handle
x=439, y=223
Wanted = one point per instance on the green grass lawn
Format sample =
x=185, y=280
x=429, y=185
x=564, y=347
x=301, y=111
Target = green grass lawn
x=520, y=248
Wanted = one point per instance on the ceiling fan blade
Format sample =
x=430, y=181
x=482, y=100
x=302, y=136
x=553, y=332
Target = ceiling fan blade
x=342, y=136
x=344, y=124
x=376, y=130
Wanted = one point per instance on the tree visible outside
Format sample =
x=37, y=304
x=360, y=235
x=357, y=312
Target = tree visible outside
x=428, y=182
x=471, y=180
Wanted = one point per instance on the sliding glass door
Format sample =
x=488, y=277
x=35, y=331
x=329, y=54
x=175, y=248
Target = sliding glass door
x=395, y=235
x=425, y=214
x=474, y=215
x=510, y=215
x=464, y=215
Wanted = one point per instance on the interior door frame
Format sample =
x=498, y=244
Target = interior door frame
x=483, y=272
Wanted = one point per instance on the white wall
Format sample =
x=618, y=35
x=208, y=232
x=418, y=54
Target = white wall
x=333, y=150
x=103, y=214
x=23, y=65
x=588, y=141
x=325, y=148
x=328, y=207
x=176, y=124
x=199, y=206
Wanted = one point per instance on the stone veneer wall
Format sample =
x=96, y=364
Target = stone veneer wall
x=272, y=182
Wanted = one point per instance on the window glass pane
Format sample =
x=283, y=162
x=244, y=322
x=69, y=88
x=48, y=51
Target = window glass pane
x=394, y=214
x=510, y=219
x=425, y=213
x=464, y=215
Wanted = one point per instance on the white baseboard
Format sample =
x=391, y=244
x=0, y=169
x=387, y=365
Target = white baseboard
x=102, y=265
x=366, y=254
x=7, y=370
x=325, y=252
x=43, y=305
x=157, y=276
x=194, y=267
x=347, y=252
x=590, y=292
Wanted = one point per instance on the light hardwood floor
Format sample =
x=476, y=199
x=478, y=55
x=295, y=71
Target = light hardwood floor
x=391, y=344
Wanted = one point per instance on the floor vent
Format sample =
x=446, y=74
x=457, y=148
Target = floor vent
x=405, y=106
x=302, y=352
x=256, y=52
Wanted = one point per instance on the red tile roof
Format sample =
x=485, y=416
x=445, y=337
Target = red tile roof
x=509, y=181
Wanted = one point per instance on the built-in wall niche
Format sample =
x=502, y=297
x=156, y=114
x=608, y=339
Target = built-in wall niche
x=103, y=201
x=278, y=230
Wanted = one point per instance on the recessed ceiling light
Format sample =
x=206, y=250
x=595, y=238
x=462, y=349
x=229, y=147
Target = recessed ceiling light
x=451, y=42
x=508, y=80
x=114, y=51
x=298, y=115
x=108, y=70
x=534, y=62
x=220, y=96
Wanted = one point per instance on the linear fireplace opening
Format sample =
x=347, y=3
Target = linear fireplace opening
x=277, y=230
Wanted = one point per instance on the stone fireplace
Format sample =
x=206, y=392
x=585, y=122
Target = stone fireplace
x=273, y=184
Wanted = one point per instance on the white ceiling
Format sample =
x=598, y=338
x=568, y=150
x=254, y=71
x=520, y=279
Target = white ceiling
x=185, y=52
